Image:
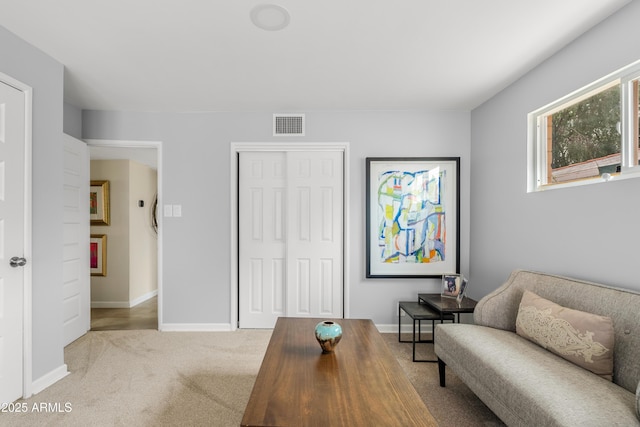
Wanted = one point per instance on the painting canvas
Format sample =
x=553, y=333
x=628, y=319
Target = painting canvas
x=98, y=255
x=99, y=202
x=412, y=216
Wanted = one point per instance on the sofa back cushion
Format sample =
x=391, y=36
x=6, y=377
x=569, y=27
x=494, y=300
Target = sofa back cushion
x=499, y=309
x=582, y=338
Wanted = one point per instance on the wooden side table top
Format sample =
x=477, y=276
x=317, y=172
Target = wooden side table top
x=359, y=383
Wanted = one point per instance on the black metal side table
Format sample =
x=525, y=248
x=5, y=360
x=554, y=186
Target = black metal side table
x=419, y=312
x=448, y=306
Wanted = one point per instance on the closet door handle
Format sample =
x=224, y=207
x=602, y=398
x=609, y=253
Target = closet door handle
x=17, y=262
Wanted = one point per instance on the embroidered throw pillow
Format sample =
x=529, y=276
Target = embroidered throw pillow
x=582, y=338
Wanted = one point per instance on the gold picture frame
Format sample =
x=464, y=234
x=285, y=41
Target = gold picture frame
x=99, y=203
x=98, y=255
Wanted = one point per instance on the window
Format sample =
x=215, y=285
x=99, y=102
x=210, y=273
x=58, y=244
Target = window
x=588, y=136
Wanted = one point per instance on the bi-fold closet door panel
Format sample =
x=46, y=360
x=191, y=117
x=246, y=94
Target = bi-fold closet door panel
x=290, y=236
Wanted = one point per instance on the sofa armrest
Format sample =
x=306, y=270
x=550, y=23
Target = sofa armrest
x=499, y=309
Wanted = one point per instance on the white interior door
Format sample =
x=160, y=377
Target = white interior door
x=262, y=239
x=76, y=297
x=12, y=217
x=314, y=243
x=290, y=236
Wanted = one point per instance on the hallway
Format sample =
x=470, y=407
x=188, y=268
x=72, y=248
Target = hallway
x=142, y=316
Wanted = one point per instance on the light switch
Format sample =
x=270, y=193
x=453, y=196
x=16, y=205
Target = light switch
x=168, y=210
x=177, y=210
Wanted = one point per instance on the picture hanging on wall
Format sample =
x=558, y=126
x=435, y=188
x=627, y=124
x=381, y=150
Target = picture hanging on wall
x=99, y=203
x=413, y=216
x=98, y=254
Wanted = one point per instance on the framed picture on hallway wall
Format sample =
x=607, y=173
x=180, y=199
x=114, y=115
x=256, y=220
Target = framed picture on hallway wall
x=98, y=255
x=99, y=202
x=413, y=216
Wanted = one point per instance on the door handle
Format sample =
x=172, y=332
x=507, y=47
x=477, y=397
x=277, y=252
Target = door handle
x=17, y=262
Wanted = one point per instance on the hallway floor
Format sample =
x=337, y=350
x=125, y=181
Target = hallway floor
x=142, y=316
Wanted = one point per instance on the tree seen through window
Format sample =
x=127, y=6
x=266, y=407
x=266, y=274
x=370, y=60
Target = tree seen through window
x=587, y=130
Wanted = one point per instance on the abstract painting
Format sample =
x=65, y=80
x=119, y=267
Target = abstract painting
x=412, y=216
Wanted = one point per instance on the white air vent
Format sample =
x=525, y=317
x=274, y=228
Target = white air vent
x=288, y=125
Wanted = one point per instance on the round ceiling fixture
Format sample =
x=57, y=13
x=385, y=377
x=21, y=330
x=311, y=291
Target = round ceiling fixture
x=270, y=17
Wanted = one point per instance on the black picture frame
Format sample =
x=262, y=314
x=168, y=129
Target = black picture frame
x=412, y=217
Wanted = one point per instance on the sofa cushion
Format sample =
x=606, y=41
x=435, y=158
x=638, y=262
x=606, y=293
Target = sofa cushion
x=526, y=385
x=582, y=338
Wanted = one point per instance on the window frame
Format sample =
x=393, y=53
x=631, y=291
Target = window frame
x=628, y=78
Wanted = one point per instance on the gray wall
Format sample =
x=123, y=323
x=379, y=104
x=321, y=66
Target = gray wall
x=72, y=120
x=196, y=152
x=588, y=232
x=32, y=67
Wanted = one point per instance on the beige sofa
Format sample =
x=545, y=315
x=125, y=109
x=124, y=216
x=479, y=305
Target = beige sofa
x=527, y=385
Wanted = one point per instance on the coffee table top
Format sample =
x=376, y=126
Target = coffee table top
x=448, y=305
x=359, y=383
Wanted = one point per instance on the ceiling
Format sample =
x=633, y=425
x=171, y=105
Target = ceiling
x=207, y=55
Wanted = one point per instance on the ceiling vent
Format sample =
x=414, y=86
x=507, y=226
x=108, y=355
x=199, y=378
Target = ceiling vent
x=288, y=125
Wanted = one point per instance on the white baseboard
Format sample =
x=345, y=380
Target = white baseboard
x=124, y=304
x=407, y=328
x=225, y=327
x=143, y=298
x=195, y=327
x=49, y=379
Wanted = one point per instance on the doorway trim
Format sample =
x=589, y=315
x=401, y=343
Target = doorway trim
x=27, y=323
x=239, y=147
x=114, y=143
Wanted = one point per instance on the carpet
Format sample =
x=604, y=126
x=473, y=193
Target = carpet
x=151, y=378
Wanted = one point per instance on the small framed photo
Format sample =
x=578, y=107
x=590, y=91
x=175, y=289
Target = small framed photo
x=99, y=203
x=98, y=255
x=451, y=285
x=463, y=288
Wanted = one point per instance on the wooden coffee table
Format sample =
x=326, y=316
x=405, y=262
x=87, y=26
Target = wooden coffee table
x=359, y=384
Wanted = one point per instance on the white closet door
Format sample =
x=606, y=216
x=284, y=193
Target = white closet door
x=290, y=236
x=262, y=239
x=314, y=243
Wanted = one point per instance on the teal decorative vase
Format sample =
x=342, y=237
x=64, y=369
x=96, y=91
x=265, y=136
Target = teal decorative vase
x=328, y=334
